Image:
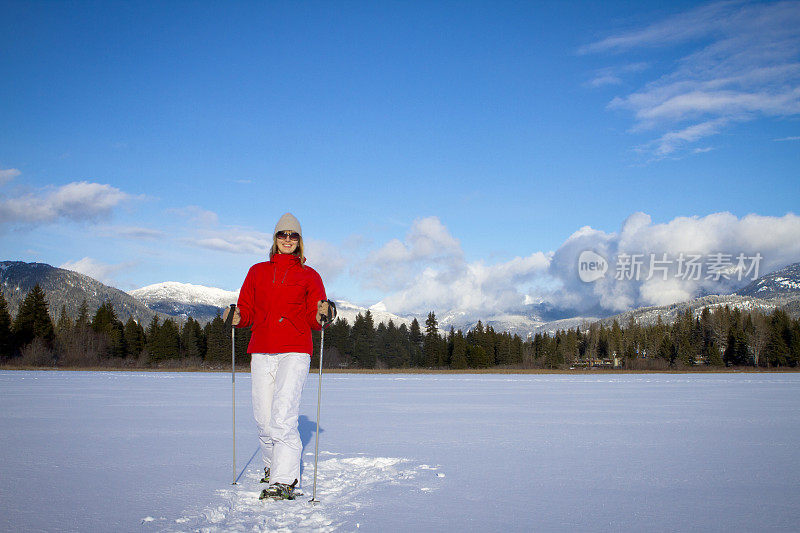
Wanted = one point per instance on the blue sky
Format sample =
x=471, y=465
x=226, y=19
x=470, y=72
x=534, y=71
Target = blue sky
x=439, y=155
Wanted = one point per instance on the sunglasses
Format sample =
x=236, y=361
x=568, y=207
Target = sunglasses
x=291, y=235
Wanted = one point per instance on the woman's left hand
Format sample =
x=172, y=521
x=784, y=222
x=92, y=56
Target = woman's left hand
x=322, y=311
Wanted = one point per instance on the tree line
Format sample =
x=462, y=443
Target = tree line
x=34, y=338
x=722, y=337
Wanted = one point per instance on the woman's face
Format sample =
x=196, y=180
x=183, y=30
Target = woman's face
x=287, y=241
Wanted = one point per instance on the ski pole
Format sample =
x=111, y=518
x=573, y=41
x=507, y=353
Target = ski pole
x=326, y=319
x=233, y=383
x=319, y=402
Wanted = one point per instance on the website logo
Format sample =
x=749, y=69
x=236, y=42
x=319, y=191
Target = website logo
x=591, y=266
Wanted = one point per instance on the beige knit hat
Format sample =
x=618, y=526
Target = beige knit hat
x=288, y=222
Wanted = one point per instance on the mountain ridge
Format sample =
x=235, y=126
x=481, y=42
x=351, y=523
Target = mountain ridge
x=779, y=289
x=66, y=288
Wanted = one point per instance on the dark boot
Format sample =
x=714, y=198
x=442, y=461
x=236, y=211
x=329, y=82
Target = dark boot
x=279, y=491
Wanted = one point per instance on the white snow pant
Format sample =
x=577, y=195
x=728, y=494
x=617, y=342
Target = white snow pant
x=278, y=381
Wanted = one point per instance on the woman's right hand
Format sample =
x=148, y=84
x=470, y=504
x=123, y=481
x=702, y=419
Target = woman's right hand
x=236, y=316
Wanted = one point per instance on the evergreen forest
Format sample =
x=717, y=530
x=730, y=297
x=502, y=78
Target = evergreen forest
x=723, y=337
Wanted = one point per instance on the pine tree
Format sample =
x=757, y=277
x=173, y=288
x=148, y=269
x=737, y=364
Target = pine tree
x=242, y=342
x=382, y=346
x=708, y=339
x=33, y=319
x=516, y=350
x=338, y=348
x=64, y=324
x=489, y=344
x=478, y=358
x=712, y=354
x=391, y=346
x=736, y=352
x=82, y=322
x=415, y=349
x=134, y=338
x=218, y=343
x=794, y=344
x=363, y=335
x=151, y=335
x=458, y=359
x=777, y=350
x=553, y=356
x=504, y=349
x=448, y=347
x=667, y=350
x=404, y=349
x=615, y=340
x=105, y=322
x=166, y=344
x=191, y=339
x=537, y=346
x=6, y=336
x=682, y=333
x=430, y=346
x=632, y=338
x=758, y=338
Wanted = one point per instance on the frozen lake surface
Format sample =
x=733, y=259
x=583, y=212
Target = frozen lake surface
x=142, y=451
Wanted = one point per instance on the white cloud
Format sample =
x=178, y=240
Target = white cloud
x=428, y=242
x=205, y=231
x=671, y=141
x=8, y=174
x=679, y=28
x=602, y=79
x=95, y=269
x=196, y=215
x=475, y=289
x=325, y=258
x=613, y=75
x=742, y=65
x=234, y=240
x=133, y=232
x=78, y=201
x=776, y=239
x=478, y=290
x=784, y=139
x=428, y=271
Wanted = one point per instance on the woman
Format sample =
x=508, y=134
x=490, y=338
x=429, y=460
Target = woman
x=282, y=300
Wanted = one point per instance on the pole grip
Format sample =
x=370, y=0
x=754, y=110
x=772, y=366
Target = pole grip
x=229, y=318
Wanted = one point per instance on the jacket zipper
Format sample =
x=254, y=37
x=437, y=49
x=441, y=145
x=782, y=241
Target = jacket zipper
x=282, y=280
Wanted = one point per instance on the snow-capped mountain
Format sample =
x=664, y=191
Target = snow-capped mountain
x=68, y=289
x=185, y=299
x=779, y=289
x=185, y=293
x=536, y=316
x=783, y=281
x=668, y=313
x=553, y=326
x=203, y=303
x=516, y=324
x=349, y=311
x=65, y=289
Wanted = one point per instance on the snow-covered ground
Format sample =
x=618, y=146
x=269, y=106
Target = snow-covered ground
x=118, y=451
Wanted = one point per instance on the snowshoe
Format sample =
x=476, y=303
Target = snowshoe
x=265, y=479
x=279, y=491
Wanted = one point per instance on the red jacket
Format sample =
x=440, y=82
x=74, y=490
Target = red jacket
x=279, y=301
